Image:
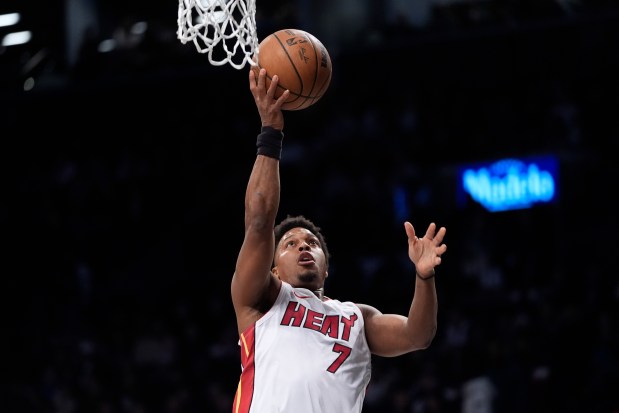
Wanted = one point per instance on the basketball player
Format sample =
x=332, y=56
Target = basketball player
x=302, y=352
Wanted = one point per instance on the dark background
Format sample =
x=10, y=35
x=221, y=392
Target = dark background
x=123, y=177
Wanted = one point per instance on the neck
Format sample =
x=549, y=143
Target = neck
x=319, y=292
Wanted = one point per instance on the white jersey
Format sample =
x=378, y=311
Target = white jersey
x=304, y=356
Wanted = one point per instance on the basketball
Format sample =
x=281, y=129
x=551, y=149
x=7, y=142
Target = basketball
x=301, y=62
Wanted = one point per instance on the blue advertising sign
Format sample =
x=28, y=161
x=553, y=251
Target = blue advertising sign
x=509, y=184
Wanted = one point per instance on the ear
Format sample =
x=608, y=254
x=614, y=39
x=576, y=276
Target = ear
x=326, y=274
x=275, y=271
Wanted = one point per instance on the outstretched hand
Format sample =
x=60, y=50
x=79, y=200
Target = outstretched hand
x=425, y=252
x=269, y=108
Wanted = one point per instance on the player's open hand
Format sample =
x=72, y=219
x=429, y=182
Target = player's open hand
x=269, y=108
x=425, y=252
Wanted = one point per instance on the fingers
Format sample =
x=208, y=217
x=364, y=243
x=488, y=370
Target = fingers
x=440, y=235
x=252, y=76
x=271, y=93
x=282, y=99
x=253, y=84
x=430, y=231
x=440, y=247
x=273, y=86
x=410, y=230
x=257, y=84
x=437, y=240
x=257, y=79
x=432, y=234
x=426, y=251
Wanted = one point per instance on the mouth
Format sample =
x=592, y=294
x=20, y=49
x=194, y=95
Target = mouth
x=306, y=259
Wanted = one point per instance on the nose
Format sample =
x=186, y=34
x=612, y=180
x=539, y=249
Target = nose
x=304, y=246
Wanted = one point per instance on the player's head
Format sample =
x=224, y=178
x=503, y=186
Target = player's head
x=301, y=254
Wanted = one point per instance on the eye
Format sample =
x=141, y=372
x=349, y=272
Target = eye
x=290, y=243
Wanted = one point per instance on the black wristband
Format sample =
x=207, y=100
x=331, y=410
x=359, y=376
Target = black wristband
x=425, y=278
x=269, y=142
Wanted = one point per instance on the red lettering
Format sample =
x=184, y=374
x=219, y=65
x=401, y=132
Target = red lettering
x=348, y=325
x=293, y=315
x=330, y=326
x=344, y=353
x=313, y=320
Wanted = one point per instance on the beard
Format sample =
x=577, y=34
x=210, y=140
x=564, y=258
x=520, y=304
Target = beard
x=309, y=277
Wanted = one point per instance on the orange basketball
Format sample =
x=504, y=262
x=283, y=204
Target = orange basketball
x=301, y=62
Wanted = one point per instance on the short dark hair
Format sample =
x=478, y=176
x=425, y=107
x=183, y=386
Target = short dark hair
x=299, y=221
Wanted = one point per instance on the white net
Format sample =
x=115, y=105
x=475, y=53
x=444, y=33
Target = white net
x=225, y=29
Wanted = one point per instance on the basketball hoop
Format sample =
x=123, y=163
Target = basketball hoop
x=225, y=29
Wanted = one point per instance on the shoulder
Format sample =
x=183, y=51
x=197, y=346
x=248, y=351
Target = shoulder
x=368, y=311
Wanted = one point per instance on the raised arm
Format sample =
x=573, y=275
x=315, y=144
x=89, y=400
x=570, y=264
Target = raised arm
x=393, y=334
x=253, y=287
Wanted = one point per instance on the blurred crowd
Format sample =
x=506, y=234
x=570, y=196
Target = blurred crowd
x=124, y=218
